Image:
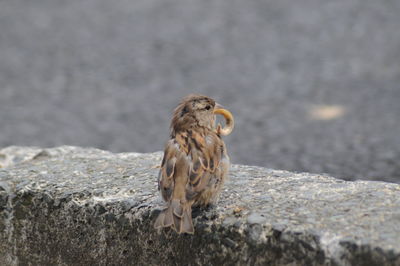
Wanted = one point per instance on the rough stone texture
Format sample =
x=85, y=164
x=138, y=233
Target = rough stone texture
x=77, y=206
x=107, y=74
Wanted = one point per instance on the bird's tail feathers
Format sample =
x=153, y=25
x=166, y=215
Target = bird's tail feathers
x=178, y=216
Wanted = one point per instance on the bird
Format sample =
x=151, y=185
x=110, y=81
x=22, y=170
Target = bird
x=195, y=162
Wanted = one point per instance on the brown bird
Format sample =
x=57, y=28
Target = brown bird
x=195, y=163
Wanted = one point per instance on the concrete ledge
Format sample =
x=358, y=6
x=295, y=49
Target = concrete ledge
x=76, y=206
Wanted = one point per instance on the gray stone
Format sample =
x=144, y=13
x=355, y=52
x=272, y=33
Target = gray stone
x=75, y=206
x=256, y=218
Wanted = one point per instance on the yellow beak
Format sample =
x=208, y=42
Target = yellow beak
x=229, y=122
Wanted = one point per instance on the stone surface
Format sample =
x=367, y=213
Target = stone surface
x=107, y=74
x=83, y=206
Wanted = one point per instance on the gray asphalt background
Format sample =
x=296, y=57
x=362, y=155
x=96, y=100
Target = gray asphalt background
x=108, y=74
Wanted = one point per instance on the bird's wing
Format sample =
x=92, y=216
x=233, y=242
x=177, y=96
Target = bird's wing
x=166, y=175
x=206, y=151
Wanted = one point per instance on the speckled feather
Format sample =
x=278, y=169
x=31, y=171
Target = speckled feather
x=195, y=163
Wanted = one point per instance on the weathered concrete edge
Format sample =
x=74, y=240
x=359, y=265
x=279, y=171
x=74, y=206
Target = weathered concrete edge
x=118, y=230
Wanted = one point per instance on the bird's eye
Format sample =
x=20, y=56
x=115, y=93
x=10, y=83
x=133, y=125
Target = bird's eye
x=208, y=107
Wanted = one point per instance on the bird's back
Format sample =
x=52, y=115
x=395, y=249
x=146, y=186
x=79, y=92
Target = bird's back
x=195, y=166
x=193, y=170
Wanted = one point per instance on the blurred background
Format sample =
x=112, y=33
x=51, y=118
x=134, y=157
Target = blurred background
x=314, y=85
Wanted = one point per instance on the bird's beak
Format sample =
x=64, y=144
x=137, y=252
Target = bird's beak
x=229, y=122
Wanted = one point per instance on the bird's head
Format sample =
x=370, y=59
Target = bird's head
x=198, y=110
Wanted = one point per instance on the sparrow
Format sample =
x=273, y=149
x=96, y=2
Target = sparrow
x=195, y=163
